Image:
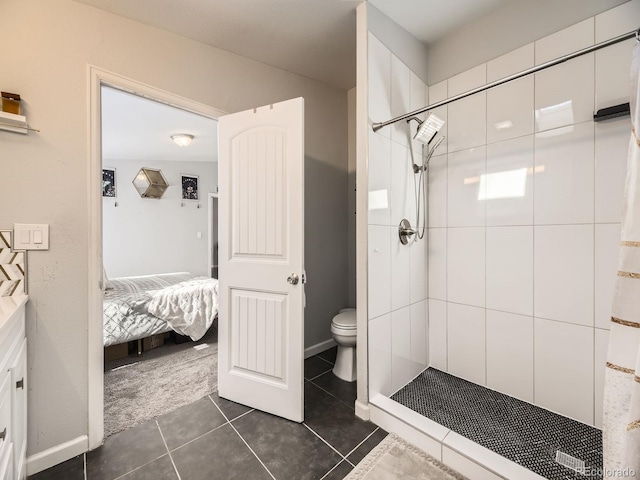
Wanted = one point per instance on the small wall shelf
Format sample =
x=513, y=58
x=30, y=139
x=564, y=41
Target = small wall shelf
x=150, y=183
x=13, y=123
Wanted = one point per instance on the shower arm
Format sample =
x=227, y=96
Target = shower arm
x=621, y=38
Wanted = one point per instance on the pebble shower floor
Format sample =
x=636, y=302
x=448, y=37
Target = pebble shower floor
x=517, y=430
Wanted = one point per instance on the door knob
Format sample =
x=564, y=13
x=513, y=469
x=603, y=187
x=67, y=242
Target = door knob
x=293, y=279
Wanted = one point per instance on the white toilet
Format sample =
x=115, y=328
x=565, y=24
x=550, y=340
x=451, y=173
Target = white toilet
x=343, y=330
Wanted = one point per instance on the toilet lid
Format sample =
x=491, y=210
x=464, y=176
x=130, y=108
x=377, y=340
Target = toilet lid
x=345, y=319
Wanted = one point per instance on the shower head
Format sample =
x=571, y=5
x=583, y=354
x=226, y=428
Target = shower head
x=428, y=129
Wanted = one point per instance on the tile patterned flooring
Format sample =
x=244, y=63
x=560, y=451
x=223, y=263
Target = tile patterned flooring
x=214, y=438
x=522, y=432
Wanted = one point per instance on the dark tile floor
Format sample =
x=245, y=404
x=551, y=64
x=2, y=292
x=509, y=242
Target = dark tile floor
x=522, y=432
x=214, y=438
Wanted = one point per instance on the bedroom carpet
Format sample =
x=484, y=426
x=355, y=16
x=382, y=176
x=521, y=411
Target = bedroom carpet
x=137, y=389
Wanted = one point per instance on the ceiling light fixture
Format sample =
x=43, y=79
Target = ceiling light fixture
x=182, y=139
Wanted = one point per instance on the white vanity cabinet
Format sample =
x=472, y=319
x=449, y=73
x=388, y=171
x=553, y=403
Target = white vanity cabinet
x=13, y=388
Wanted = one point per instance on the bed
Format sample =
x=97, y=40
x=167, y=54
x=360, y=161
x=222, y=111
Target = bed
x=139, y=307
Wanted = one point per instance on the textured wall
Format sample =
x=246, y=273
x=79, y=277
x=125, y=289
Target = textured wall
x=143, y=236
x=45, y=56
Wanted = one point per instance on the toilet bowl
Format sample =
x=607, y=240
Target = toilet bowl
x=343, y=330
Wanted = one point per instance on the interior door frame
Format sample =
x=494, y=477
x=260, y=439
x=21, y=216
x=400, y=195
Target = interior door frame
x=211, y=199
x=97, y=78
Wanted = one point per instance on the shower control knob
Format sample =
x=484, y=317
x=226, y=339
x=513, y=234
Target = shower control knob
x=293, y=279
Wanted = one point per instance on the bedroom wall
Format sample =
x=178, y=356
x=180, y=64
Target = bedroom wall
x=143, y=236
x=45, y=56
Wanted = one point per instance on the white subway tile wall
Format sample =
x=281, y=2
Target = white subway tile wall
x=611, y=143
x=511, y=63
x=563, y=263
x=564, y=180
x=379, y=82
x=509, y=275
x=524, y=205
x=400, y=348
x=437, y=263
x=438, y=334
x=510, y=110
x=509, y=196
x=419, y=347
x=563, y=368
x=437, y=190
x=510, y=354
x=379, y=337
x=466, y=342
x=465, y=189
x=607, y=241
x=466, y=265
x=398, y=310
x=601, y=344
x=437, y=93
x=400, y=103
x=568, y=40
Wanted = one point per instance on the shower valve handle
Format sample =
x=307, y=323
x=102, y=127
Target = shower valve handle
x=405, y=232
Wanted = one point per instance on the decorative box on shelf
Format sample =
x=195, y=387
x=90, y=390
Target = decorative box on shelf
x=13, y=123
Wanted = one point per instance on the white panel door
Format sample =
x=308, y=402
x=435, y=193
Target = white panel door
x=261, y=258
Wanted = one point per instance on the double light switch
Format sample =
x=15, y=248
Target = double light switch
x=28, y=236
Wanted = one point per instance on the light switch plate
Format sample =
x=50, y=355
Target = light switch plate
x=30, y=236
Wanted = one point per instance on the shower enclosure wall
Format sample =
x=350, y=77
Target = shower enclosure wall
x=513, y=288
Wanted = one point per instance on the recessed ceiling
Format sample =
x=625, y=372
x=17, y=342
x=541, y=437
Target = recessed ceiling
x=136, y=128
x=430, y=20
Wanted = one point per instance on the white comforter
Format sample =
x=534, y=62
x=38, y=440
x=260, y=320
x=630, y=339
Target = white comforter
x=188, y=307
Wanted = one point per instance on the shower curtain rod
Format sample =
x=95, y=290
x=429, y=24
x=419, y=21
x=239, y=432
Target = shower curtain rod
x=636, y=33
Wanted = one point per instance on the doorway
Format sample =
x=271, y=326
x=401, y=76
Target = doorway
x=213, y=234
x=96, y=280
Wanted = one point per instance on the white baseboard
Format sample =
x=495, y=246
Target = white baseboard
x=362, y=410
x=319, y=348
x=58, y=454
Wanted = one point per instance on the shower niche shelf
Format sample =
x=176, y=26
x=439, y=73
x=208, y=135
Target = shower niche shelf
x=13, y=123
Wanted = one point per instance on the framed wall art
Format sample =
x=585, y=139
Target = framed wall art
x=109, y=182
x=189, y=187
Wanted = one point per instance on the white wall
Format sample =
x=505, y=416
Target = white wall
x=45, y=57
x=401, y=43
x=521, y=287
x=397, y=287
x=143, y=236
x=351, y=199
x=517, y=23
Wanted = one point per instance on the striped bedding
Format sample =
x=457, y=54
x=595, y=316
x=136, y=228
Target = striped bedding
x=125, y=306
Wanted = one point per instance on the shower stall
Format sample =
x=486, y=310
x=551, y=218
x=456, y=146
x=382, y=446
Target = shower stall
x=485, y=335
